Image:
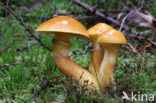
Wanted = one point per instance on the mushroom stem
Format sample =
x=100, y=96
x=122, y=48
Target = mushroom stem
x=70, y=68
x=95, y=61
x=107, y=66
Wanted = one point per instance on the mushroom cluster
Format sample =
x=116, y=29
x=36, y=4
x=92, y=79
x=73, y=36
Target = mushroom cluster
x=106, y=42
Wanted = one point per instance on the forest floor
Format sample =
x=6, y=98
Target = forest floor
x=28, y=73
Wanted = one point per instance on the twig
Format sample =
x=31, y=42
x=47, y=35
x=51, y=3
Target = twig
x=95, y=72
x=143, y=58
x=23, y=24
x=133, y=49
x=6, y=11
x=80, y=77
x=110, y=11
x=43, y=85
x=124, y=20
x=142, y=38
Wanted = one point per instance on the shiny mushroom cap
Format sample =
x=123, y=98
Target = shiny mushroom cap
x=112, y=37
x=97, y=30
x=61, y=25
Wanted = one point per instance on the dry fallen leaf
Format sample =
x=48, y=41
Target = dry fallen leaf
x=146, y=20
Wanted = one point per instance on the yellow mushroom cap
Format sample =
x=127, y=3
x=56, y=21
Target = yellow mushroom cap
x=63, y=25
x=112, y=37
x=97, y=30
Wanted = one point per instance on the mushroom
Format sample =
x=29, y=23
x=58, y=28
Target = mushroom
x=63, y=27
x=98, y=51
x=110, y=41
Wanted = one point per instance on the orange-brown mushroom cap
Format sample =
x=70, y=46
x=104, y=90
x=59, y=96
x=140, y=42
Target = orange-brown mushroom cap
x=63, y=25
x=112, y=37
x=97, y=30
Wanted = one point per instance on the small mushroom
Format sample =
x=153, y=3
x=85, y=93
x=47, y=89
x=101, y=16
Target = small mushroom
x=63, y=27
x=98, y=52
x=110, y=41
